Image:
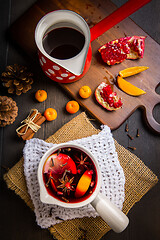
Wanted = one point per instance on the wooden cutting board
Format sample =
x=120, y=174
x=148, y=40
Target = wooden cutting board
x=22, y=31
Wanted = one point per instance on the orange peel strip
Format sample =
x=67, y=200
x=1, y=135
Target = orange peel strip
x=129, y=88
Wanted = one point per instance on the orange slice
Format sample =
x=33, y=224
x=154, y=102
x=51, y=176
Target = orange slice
x=129, y=88
x=132, y=71
x=83, y=184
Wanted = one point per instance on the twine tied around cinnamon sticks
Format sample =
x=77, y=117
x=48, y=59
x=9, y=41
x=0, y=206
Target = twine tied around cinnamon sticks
x=28, y=122
x=31, y=125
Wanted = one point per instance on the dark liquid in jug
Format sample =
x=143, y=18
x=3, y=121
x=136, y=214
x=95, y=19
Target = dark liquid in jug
x=63, y=43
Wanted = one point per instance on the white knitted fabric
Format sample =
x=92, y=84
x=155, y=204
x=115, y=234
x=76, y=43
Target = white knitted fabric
x=102, y=147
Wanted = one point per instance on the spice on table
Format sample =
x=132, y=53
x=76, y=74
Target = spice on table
x=130, y=136
x=137, y=135
x=126, y=128
x=30, y=125
x=132, y=148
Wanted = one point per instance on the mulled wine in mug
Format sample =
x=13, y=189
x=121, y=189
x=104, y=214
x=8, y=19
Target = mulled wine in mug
x=69, y=176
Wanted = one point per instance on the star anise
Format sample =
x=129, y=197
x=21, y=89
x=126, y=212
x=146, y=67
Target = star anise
x=82, y=161
x=66, y=184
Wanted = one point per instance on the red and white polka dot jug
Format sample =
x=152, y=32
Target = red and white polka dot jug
x=72, y=68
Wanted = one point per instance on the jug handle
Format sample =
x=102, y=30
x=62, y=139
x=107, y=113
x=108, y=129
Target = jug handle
x=112, y=215
x=117, y=16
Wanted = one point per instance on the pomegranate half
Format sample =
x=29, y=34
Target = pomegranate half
x=107, y=98
x=120, y=49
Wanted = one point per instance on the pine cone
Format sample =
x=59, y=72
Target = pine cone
x=8, y=111
x=17, y=79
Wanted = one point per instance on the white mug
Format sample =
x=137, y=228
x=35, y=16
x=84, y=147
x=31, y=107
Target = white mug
x=113, y=216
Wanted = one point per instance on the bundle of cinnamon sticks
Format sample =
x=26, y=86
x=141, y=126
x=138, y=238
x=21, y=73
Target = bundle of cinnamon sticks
x=35, y=119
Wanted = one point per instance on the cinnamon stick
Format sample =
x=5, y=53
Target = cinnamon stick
x=22, y=130
x=31, y=136
x=38, y=120
x=30, y=133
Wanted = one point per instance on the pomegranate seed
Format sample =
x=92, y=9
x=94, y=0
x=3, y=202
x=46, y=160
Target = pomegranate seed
x=116, y=105
x=111, y=104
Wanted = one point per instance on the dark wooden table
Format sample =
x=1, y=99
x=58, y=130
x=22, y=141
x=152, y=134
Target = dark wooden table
x=17, y=221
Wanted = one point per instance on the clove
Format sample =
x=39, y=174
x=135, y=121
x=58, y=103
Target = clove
x=59, y=150
x=130, y=136
x=126, y=128
x=132, y=148
x=65, y=199
x=52, y=162
x=47, y=184
x=137, y=133
x=62, y=165
x=64, y=174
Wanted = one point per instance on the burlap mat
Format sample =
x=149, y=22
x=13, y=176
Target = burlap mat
x=139, y=180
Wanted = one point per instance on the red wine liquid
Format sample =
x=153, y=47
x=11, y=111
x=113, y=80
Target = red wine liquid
x=54, y=169
x=63, y=43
